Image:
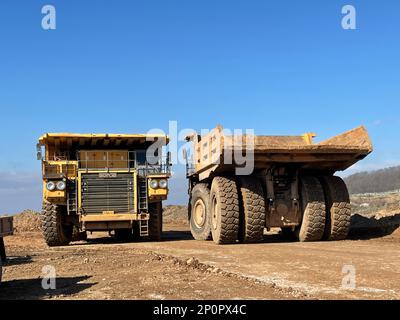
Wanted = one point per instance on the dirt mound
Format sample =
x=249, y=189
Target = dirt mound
x=175, y=213
x=371, y=204
x=375, y=215
x=27, y=221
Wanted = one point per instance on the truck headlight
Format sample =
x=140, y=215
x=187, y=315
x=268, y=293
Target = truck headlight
x=50, y=185
x=154, y=184
x=163, y=184
x=61, y=185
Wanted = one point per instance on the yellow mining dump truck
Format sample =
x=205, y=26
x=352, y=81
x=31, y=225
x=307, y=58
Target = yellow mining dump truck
x=291, y=185
x=102, y=182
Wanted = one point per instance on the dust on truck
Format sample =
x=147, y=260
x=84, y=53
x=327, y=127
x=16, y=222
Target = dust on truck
x=103, y=182
x=292, y=185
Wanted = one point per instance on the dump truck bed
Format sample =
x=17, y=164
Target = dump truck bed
x=98, y=138
x=213, y=152
x=66, y=146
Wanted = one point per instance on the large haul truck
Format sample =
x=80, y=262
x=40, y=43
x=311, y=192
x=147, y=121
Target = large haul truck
x=102, y=182
x=291, y=186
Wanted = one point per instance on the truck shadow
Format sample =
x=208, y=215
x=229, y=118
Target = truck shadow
x=170, y=235
x=176, y=235
x=31, y=289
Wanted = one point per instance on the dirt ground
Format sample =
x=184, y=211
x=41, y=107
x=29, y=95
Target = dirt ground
x=182, y=268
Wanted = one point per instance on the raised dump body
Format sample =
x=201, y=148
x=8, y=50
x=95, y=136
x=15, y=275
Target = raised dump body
x=283, y=175
x=215, y=152
x=103, y=182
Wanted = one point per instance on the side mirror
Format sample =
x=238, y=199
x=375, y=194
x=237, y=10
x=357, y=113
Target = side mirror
x=184, y=153
x=39, y=155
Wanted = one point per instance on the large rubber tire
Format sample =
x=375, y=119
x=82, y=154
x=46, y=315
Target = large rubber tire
x=252, y=213
x=199, y=213
x=155, y=221
x=225, y=208
x=55, y=230
x=313, y=210
x=338, y=208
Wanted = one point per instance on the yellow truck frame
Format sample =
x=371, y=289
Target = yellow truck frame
x=102, y=182
x=291, y=185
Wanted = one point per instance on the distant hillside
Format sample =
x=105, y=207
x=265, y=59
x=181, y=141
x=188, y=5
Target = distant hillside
x=375, y=181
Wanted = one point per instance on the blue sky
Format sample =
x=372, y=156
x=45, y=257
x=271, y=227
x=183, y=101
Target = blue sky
x=280, y=67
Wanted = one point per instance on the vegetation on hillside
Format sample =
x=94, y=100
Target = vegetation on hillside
x=375, y=181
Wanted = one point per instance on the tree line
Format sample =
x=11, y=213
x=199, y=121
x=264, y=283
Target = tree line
x=383, y=180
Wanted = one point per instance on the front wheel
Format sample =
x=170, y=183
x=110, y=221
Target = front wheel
x=199, y=213
x=56, y=230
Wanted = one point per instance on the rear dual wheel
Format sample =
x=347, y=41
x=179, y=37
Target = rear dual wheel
x=313, y=210
x=239, y=214
x=338, y=208
x=326, y=209
x=252, y=211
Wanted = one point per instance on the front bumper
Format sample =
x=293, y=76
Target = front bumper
x=114, y=217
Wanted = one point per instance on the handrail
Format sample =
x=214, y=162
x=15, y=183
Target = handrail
x=131, y=163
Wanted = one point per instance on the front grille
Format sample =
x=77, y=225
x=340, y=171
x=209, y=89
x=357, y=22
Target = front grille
x=112, y=192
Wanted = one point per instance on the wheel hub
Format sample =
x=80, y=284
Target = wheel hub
x=199, y=213
x=214, y=214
